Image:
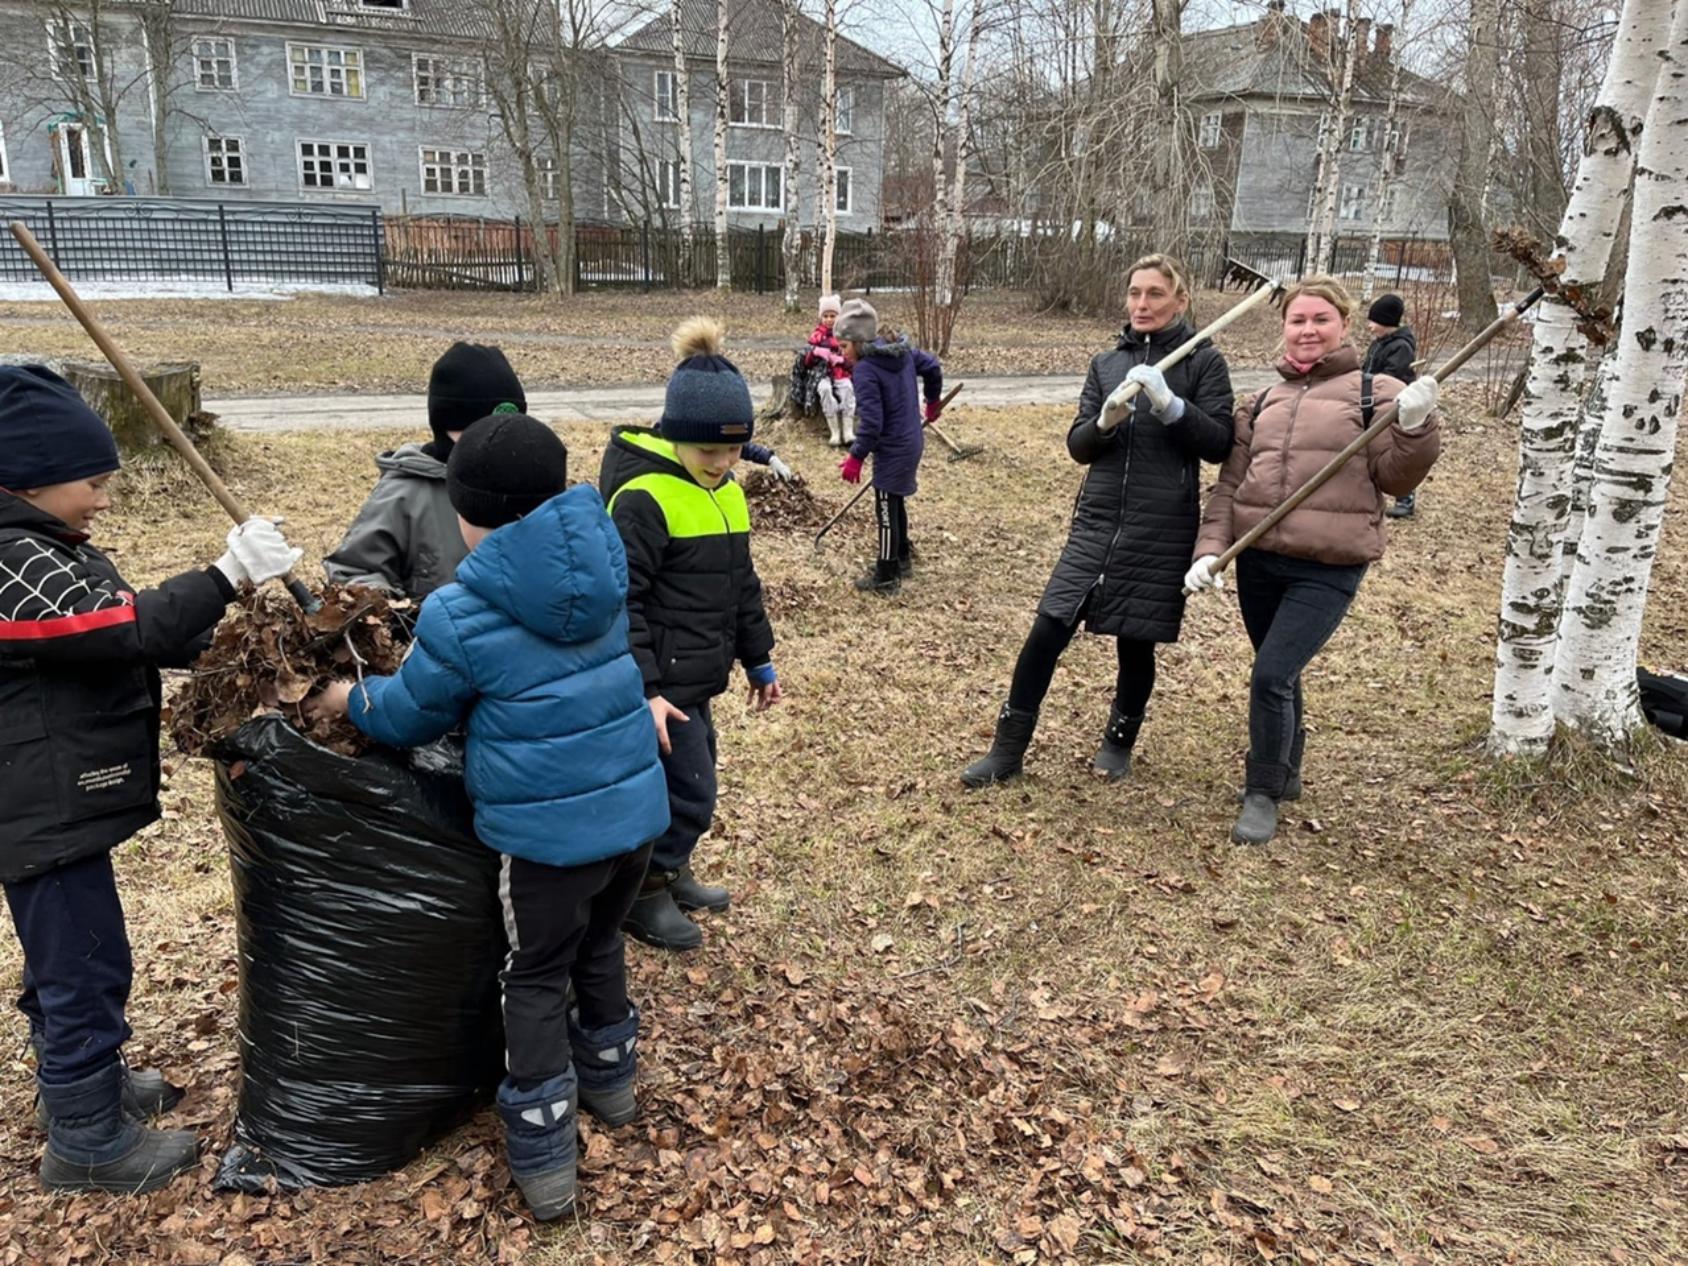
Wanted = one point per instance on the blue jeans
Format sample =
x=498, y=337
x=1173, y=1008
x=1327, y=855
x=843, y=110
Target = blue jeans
x=76, y=966
x=1290, y=607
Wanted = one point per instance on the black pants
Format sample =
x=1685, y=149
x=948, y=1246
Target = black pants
x=1291, y=607
x=76, y=966
x=1035, y=668
x=892, y=512
x=690, y=768
x=563, y=924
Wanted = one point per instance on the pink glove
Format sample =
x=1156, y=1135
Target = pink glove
x=851, y=469
x=934, y=410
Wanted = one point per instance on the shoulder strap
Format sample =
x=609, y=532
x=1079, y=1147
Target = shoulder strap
x=1368, y=405
x=1259, y=404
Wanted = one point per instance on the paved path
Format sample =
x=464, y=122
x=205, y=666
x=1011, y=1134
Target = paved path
x=594, y=404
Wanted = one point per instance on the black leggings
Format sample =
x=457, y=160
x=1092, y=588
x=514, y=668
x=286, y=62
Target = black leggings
x=1049, y=637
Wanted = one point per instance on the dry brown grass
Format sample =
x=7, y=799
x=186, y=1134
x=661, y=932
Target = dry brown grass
x=333, y=343
x=1440, y=1020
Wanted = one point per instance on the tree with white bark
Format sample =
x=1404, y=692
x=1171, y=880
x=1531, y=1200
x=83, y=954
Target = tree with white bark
x=1343, y=65
x=791, y=77
x=1524, y=713
x=723, y=85
x=1388, y=162
x=827, y=136
x=683, y=109
x=1594, y=669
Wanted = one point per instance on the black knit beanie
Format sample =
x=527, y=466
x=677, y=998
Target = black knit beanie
x=1388, y=310
x=505, y=466
x=48, y=434
x=467, y=384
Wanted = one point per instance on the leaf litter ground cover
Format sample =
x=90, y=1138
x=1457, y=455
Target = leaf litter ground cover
x=1439, y=1021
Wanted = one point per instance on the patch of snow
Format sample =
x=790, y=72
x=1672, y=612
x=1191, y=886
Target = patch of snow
x=273, y=291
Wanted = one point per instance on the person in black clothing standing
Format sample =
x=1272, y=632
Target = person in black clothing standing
x=1393, y=350
x=1122, y=571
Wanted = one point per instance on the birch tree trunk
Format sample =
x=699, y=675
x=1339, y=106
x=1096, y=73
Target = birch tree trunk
x=1386, y=175
x=1323, y=244
x=1531, y=594
x=829, y=147
x=942, y=105
x=949, y=300
x=1169, y=165
x=158, y=39
x=1594, y=671
x=723, y=244
x=1589, y=418
x=1466, y=222
x=791, y=73
x=683, y=108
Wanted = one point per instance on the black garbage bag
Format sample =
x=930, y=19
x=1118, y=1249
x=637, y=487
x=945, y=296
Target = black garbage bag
x=1664, y=701
x=370, y=937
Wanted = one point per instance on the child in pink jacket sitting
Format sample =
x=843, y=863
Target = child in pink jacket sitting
x=839, y=403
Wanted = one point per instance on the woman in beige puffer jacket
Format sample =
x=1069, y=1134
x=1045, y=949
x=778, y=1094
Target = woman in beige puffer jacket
x=1294, y=585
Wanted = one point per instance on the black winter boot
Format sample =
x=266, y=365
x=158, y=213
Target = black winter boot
x=92, y=1146
x=1113, y=757
x=1013, y=735
x=656, y=920
x=691, y=895
x=540, y=1141
x=605, y=1062
x=881, y=578
x=146, y=1094
x=1258, y=821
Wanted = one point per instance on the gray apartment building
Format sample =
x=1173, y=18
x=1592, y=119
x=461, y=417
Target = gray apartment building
x=385, y=102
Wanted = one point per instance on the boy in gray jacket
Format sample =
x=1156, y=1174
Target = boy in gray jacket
x=405, y=540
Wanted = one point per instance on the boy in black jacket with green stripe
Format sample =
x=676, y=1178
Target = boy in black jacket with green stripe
x=694, y=603
x=79, y=712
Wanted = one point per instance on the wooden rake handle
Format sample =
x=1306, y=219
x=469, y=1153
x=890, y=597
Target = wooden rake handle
x=1266, y=291
x=160, y=415
x=1385, y=417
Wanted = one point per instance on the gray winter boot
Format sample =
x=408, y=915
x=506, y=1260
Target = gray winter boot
x=1258, y=821
x=92, y=1146
x=605, y=1061
x=1013, y=735
x=1292, y=784
x=1113, y=757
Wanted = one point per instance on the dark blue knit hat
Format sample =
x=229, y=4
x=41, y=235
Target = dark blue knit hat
x=48, y=434
x=708, y=401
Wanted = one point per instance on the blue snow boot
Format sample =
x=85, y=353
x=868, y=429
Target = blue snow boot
x=539, y=1139
x=93, y=1146
x=605, y=1061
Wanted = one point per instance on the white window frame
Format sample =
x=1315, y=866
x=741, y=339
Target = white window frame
x=668, y=183
x=199, y=84
x=1325, y=125
x=458, y=162
x=762, y=185
x=307, y=48
x=738, y=97
x=845, y=111
x=56, y=28
x=5, y=160
x=1201, y=203
x=336, y=187
x=1357, y=202
x=846, y=187
x=457, y=71
x=550, y=179
x=1212, y=127
x=1359, y=136
x=380, y=6
x=665, y=106
x=223, y=139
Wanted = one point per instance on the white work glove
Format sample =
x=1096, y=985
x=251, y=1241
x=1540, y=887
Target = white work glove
x=1162, y=402
x=1413, y=405
x=782, y=472
x=257, y=552
x=1203, y=575
x=1114, y=408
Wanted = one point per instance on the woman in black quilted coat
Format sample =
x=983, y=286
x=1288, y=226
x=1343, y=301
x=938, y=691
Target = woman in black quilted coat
x=1122, y=571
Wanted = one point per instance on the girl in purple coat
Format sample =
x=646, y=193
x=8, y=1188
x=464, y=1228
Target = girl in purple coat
x=884, y=369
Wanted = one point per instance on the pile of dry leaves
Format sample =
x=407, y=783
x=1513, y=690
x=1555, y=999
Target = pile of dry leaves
x=783, y=505
x=268, y=655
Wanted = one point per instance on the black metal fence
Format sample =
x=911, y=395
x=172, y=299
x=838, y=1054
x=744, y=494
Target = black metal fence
x=154, y=239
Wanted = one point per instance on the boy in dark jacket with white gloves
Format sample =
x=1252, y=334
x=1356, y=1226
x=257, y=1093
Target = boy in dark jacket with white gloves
x=79, y=774
x=1392, y=351
x=694, y=602
x=529, y=647
x=405, y=538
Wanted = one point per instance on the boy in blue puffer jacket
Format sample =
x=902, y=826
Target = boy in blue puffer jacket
x=529, y=647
